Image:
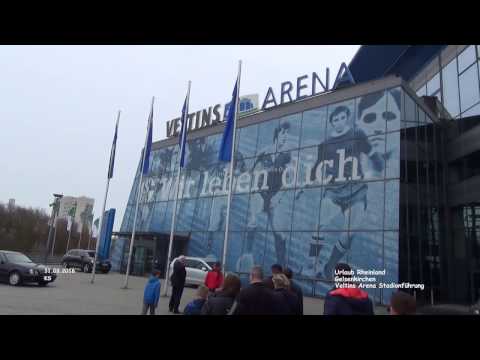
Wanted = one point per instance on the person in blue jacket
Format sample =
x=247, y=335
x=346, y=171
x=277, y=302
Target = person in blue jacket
x=195, y=307
x=151, y=295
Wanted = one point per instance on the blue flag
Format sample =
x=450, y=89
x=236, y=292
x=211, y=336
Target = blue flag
x=112, y=152
x=227, y=139
x=148, y=146
x=183, y=132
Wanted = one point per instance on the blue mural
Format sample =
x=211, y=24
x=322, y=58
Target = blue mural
x=310, y=189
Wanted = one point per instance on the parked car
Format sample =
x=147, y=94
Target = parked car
x=197, y=269
x=83, y=260
x=17, y=268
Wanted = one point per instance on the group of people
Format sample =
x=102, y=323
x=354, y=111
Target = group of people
x=273, y=295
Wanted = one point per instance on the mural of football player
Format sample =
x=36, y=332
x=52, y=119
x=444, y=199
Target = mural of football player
x=345, y=150
x=275, y=165
x=375, y=118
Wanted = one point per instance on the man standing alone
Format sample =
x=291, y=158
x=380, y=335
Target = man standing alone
x=178, y=282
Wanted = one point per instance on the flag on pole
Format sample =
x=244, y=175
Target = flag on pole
x=112, y=152
x=69, y=223
x=71, y=216
x=183, y=131
x=95, y=228
x=227, y=139
x=148, y=145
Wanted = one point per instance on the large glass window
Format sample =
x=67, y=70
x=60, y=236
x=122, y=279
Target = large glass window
x=392, y=206
x=185, y=215
x=279, y=207
x=287, y=135
x=469, y=91
x=372, y=114
x=257, y=217
x=394, y=106
x=433, y=85
x=422, y=91
x=247, y=144
x=202, y=214
x=266, y=137
x=366, y=206
x=410, y=109
x=332, y=209
x=276, y=249
x=314, y=124
x=392, y=155
x=238, y=212
x=218, y=214
x=340, y=121
x=473, y=111
x=307, y=209
x=450, y=88
x=466, y=58
x=307, y=162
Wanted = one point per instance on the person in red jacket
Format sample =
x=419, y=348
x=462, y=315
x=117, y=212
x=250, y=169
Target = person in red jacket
x=214, y=279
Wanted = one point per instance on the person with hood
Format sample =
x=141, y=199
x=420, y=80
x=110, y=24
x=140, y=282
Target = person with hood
x=151, y=294
x=178, y=282
x=286, y=302
x=214, y=278
x=346, y=298
x=221, y=302
x=195, y=307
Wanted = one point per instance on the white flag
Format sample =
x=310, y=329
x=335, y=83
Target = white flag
x=69, y=223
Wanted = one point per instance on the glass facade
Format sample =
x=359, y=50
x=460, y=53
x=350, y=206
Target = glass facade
x=457, y=85
x=310, y=189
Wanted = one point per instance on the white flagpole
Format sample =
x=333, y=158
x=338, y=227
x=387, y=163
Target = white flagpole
x=125, y=286
x=102, y=214
x=177, y=186
x=225, y=241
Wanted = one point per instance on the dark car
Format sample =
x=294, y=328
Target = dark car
x=17, y=268
x=83, y=259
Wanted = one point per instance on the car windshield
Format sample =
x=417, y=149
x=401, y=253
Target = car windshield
x=18, y=258
x=211, y=263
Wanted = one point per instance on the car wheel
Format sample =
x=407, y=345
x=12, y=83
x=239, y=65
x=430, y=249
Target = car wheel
x=86, y=268
x=14, y=279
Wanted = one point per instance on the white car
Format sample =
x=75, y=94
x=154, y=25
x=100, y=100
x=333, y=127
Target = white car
x=197, y=269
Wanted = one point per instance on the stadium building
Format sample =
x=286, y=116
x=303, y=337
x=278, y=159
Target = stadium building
x=381, y=171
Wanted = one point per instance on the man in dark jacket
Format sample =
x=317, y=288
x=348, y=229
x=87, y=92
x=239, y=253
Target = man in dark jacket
x=257, y=298
x=178, y=282
x=345, y=298
x=295, y=289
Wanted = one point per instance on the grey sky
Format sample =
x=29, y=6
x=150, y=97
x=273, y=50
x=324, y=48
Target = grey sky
x=59, y=105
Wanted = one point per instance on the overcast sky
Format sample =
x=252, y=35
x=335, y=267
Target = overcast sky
x=59, y=105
